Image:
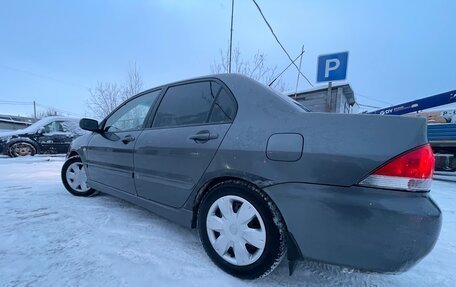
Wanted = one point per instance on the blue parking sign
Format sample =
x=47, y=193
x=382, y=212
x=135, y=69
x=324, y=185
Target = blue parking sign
x=332, y=67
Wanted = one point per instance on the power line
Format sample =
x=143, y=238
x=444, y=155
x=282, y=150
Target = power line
x=58, y=110
x=15, y=103
x=289, y=65
x=373, y=99
x=277, y=39
x=43, y=76
x=368, y=106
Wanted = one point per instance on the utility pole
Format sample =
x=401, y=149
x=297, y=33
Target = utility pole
x=231, y=36
x=34, y=110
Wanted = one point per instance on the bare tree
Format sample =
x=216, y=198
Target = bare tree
x=134, y=83
x=104, y=98
x=47, y=113
x=256, y=68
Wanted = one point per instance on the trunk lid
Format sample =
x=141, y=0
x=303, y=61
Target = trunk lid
x=341, y=149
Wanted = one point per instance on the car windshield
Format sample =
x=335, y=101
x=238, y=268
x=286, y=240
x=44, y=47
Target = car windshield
x=37, y=125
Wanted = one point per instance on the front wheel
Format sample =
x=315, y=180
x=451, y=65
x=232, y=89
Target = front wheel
x=241, y=230
x=21, y=149
x=74, y=177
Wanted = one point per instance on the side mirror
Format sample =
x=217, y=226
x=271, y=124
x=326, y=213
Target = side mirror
x=40, y=131
x=89, y=125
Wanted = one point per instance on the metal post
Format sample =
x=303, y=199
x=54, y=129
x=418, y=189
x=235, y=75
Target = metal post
x=299, y=72
x=34, y=110
x=329, y=96
x=231, y=37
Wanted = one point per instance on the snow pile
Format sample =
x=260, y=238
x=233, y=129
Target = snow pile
x=51, y=238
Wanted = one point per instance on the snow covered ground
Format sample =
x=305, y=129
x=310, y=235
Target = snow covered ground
x=50, y=238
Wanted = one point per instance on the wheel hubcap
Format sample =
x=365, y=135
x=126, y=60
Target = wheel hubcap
x=76, y=177
x=236, y=230
x=21, y=149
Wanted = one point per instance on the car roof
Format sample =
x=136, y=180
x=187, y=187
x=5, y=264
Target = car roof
x=250, y=94
x=63, y=118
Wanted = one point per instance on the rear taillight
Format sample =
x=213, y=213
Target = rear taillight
x=411, y=171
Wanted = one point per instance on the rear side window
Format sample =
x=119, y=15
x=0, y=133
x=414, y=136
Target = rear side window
x=224, y=108
x=193, y=104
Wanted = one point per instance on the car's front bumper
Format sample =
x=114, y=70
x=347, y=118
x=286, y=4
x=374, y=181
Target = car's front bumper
x=363, y=228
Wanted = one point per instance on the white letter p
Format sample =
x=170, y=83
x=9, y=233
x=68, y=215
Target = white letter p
x=330, y=68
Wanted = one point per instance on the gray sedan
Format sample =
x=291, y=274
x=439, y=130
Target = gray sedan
x=261, y=178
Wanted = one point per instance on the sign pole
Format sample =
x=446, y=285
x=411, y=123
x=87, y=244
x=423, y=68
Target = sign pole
x=329, y=88
x=34, y=110
x=329, y=95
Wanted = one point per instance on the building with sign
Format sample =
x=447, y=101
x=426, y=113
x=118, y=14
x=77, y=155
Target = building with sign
x=339, y=98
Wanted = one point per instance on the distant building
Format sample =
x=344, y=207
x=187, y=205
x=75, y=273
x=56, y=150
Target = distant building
x=340, y=99
x=8, y=122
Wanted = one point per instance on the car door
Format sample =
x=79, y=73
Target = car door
x=72, y=131
x=66, y=134
x=53, y=138
x=110, y=152
x=189, y=125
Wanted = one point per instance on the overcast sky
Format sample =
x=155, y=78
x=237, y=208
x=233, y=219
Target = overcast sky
x=53, y=51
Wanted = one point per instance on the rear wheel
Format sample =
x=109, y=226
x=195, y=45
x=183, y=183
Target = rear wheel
x=241, y=229
x=74, y=177
x=21, y=149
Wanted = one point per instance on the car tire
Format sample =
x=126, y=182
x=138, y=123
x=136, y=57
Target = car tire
x=19, y=149
x=241, y=229
x=74, y=177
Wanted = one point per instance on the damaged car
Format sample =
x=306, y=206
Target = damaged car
x=49, y=135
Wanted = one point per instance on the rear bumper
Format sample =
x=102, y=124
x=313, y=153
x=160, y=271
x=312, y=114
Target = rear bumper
x=364, y=228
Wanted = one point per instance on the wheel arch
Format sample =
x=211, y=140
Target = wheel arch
x=35, y=144
x=203, y=191
x=213, y=182
x=73, y=153
x=293, y=251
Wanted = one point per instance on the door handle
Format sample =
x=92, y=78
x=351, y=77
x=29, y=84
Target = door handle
x=128, y=139
x=203, y=136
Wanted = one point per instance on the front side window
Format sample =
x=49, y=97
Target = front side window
x=53, y=127
x=193, y=104
x=131, y=116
